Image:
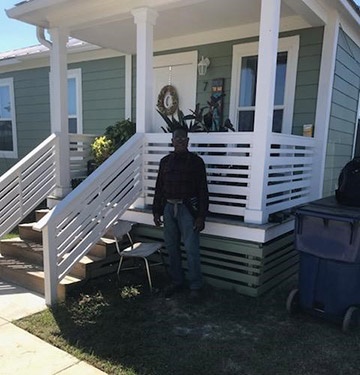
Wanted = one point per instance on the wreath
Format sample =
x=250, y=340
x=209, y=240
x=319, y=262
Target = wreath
x=168, y=100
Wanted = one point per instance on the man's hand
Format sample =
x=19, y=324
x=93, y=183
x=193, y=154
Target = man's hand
x=199, y=224
x=157, y=220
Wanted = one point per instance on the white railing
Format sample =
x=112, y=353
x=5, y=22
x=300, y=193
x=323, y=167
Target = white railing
x=290, y=171
x=32, y=179
x=80, y=154
x=84, y=215
x=229, y=161
x=27, y=184
x=227, y=157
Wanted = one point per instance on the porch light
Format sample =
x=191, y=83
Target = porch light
x=203, y=65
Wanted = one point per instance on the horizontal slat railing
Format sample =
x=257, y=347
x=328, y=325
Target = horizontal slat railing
x=227, y=157
x=84, y=215
x=80, y=154
x=229, y=161
x=290, y=171
x=27, y=184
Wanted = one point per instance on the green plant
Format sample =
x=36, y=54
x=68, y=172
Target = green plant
x=197, y=121
x=120, y=132
x=114, y=137
x=101, y=149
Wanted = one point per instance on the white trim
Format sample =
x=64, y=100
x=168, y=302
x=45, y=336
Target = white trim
x=231, y=33
x=9, y=82
x=76, y=73
x=174, y=59
x=356, y=140
x=128, y=86
x=323, y=107
x=289, y=45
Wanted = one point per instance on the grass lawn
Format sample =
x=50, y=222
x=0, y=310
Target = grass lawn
x=123, y=329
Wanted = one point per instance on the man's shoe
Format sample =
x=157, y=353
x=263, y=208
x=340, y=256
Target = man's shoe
x=173, y=289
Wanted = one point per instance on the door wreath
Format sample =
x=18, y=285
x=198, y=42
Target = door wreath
x=168, y=100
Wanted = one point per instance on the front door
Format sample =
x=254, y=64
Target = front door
x=180, y=71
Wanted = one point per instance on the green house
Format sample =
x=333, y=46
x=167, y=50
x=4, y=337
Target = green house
x=289, y=75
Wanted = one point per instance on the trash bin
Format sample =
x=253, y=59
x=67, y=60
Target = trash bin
x=327, y=237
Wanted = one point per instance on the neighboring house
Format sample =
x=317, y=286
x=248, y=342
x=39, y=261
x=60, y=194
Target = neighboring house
x=285, y=66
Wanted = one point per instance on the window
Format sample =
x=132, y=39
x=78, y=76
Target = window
x=244, y=80
x=74, y=101
x=8, y=141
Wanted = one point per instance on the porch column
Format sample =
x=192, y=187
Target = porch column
x=264, y=105
x=145, y=20
x=59, y=109
x=323, y=107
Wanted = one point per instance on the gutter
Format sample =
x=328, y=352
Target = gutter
x=40, y=34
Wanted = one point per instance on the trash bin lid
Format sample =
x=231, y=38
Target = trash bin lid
x=329, y=208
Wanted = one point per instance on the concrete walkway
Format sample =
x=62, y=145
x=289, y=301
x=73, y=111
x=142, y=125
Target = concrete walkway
x=24, y=354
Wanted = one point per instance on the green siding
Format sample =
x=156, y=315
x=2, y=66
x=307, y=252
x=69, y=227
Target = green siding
x=31, y=90
x=103, y=90
x=307, y=79
x=344, y=107
x=103, y=93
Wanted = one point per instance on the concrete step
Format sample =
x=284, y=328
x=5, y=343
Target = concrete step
x=31, y=276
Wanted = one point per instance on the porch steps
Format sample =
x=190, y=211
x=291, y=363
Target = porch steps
x=21, y=261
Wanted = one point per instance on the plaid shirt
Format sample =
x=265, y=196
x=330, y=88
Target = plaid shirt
x=181, y=176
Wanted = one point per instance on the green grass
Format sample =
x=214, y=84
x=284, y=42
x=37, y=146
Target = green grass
x=123, y=329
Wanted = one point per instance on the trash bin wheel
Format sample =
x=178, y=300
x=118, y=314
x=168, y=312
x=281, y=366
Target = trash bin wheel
x=351, y=318
x=292, y=302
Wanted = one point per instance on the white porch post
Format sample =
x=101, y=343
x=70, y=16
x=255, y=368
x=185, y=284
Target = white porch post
x=145, y=19
x=323, y=109
x=264, y=105
x=59, y=109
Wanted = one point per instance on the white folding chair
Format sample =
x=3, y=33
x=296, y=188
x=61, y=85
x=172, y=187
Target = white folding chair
x=140, y=250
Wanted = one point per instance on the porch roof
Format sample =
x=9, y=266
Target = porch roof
x=110, y=23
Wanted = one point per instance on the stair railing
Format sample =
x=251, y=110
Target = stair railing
x=24, y=186
x=86, y=214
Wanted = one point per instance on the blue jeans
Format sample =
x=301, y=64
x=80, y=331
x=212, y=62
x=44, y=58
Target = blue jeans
x=179, y=226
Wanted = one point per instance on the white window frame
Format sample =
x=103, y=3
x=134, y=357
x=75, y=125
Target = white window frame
x=9, y=82
x=289, y=45
x=356, y=133
x=76, y=74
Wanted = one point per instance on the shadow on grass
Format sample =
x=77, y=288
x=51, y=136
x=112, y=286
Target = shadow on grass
x=123, y=329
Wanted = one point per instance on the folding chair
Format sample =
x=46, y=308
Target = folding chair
x=136, y=250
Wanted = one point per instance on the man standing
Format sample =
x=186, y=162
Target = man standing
x=182, y=198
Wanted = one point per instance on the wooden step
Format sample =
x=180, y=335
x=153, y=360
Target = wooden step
x=88, y=266
x=103, y=248
x=26, y=251
x=26, y=232
x=39, y=214
x=31, y=277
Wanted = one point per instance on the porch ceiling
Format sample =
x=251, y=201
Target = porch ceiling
x=110, y=24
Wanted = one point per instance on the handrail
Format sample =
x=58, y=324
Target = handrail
x=86, y=213
x=24, y=186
